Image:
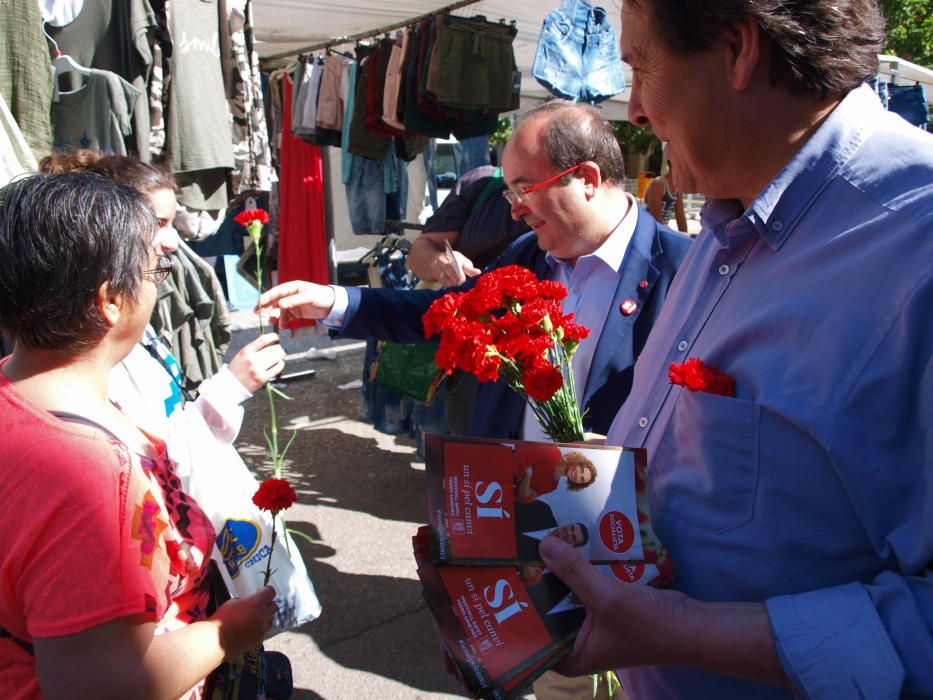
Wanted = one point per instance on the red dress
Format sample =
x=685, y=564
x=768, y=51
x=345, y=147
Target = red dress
x=302, y=233
x=543, y=460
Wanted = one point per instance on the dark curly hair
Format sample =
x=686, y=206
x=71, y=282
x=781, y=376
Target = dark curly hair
x=142, y=177
x=825, y=47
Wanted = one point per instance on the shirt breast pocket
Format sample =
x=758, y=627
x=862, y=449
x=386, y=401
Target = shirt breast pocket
x=706, y=467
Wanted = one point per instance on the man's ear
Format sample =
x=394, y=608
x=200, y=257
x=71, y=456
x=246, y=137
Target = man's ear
x=592, y=177
x=746, y=46
x=110, y=304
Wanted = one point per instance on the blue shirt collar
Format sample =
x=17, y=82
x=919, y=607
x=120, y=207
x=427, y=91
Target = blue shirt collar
x=775, y=212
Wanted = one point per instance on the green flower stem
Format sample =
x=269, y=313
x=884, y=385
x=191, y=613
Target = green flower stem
x=257, y=244
x=267, y=574
x=560, y=415
x=255, y=232
x=274, y=434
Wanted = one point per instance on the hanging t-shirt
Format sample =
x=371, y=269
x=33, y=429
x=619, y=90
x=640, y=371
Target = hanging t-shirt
x=199, y=122
x=198, y=129
x=97, y=115
x=112, y=36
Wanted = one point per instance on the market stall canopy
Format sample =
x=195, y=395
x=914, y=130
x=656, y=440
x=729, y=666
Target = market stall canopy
x=290, y=25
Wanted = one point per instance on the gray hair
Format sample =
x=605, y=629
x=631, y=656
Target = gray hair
x=825, y=47
x=63, y=236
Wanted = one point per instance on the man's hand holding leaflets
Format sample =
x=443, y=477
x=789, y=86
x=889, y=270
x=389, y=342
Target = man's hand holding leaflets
x=504, y=613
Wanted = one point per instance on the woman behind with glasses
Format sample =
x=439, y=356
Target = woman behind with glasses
x=148, y=385
x=103, y=558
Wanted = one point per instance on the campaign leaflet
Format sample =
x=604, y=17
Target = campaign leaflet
x=489, y=618
x=492, y=501
x=497, y=635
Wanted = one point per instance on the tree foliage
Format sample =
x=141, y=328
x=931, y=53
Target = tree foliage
x=909, y=29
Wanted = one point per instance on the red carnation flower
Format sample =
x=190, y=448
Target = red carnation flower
x=574, y=331
x=542, y=380
x=515, y=279
x=534, y=310
x=274, y=495
x=440, y=313
x=696, y=376
x=548, y=289
x=247, y=216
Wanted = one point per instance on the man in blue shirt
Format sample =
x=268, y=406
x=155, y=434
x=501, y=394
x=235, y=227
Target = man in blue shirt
x=799, y=511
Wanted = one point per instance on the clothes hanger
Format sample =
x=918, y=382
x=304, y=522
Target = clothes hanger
x=62, y=64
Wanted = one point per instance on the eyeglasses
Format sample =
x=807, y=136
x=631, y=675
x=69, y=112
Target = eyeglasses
x=161, y=271
x=519, y=194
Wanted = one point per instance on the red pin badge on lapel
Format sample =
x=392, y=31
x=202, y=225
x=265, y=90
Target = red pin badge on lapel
x=628, y=307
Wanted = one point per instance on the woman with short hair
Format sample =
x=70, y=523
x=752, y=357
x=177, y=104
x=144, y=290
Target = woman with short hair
x=103, y=558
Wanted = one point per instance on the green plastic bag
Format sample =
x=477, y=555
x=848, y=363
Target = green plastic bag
x=408, y=369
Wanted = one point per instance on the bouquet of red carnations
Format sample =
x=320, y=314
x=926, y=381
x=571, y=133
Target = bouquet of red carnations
x=511, y=325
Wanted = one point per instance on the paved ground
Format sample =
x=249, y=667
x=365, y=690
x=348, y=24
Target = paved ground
x=361, y=496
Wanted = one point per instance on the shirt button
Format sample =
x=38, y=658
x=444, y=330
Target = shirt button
x=643, y=422
x=723, y=270
x=576, y=290
x=777, y=225
x=682, y=345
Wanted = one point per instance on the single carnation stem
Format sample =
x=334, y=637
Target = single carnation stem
x=257, y=244
x=274, y=424
x=274, y=434
x=267, y=574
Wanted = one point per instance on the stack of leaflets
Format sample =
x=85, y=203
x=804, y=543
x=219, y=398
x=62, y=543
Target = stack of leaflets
x=502, y=617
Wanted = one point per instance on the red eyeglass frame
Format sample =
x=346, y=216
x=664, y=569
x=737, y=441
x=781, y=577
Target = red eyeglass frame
x=519, y=194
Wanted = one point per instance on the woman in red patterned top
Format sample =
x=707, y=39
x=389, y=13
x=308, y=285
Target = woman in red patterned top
x=539, y=467
x=103, y=558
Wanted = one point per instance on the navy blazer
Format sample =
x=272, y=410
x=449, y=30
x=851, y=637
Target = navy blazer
x=653, y=256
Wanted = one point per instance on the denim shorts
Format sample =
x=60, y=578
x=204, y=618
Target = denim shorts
x=578, y=54
x=366, y=197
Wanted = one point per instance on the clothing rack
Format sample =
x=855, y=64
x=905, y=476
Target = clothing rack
x=336, y=41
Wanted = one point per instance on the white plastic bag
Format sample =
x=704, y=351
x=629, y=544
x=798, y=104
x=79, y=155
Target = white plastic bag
x=217, y=478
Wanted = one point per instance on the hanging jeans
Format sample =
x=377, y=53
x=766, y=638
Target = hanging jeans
x=578, y=54
x=431, y=174
x=909, y=101
x=471, y=153
x=366, y=196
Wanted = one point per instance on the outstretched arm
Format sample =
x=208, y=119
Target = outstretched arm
x=295, y=300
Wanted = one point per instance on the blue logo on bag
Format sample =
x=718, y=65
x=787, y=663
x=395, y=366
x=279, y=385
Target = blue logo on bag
x=237, y=542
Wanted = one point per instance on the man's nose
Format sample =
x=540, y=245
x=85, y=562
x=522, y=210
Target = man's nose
x=518, y=208
x=636, y=114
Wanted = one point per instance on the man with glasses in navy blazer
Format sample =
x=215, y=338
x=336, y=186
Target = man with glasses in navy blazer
x=565, y=177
